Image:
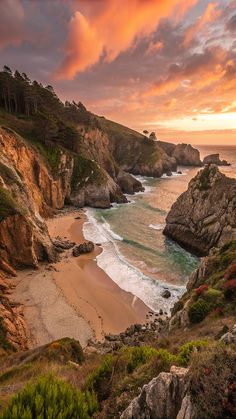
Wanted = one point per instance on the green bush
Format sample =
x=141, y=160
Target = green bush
x=213, y=297
x=51, y=398
x=98, y=381
x=3, y=336
x=187, y=349
x=139, y=355
x=8, y=205
x=198, y=311
x=84, y=171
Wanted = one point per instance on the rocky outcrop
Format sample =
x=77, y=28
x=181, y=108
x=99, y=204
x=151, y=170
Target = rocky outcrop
x=184, y=154
x=83, y=248
x=215, y=159
x=205, y=215
x=210, y=288
x=12, y=326
x=163, y=397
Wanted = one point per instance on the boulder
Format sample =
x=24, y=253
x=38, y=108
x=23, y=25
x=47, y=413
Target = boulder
x=83, y=248
x=229, y=337
x=204, y=216
x=63, y=244
x=162, y=398
x=215, y=159
x=166, y=294
x=128, y=183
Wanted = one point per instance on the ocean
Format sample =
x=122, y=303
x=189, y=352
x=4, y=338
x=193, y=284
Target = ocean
x=136, y=255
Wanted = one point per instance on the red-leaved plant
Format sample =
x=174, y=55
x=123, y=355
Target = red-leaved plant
x=230, y=272
x=200, y=290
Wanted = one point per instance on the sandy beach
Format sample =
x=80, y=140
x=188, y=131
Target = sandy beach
x=74, y=297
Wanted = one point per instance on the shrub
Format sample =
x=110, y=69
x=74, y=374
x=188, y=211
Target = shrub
x=198, y=311
x=213, y=297
x=140, y=355
x=8, y=206
x=212, y=382
x=230, y=288
x=200, y=290
x=52, y=398
x=3, y=336
x=188, y=348
x=99, y=380
x=230, y=272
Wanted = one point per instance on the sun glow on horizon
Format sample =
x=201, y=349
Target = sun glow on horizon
x=200, y=122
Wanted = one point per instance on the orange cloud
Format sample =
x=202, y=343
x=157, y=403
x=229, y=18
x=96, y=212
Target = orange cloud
x=111, y=27
x=211, y=14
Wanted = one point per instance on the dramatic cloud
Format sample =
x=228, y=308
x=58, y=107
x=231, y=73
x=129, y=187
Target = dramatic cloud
x=211, y=13
x=155, y=64
x=11, y=22
x=112, y=29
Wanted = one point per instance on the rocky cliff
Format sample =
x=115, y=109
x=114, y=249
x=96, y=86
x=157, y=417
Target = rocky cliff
x=12, y=325
x=215, y=159
x=205, y=215
x=184, y=154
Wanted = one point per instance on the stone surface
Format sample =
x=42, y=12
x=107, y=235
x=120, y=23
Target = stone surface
x=161, y=398
x=215, y=159
x=166, y=294
x=12, y=317
x=229, y=337
x=83, y=248
x=204, y=216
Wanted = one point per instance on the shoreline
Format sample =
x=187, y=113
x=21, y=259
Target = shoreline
x=74, y=297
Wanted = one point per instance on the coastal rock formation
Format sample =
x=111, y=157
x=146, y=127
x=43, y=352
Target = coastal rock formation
x=205, y=215
x=184, y=154
x=164, y=397
x=210, y=288
x=215, y=159
x=83, y=248
x=12, y=325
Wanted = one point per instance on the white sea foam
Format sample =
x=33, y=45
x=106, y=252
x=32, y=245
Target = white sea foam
x=122, y=272
x=157, y=226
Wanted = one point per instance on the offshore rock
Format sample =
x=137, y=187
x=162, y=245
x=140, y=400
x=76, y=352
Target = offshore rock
x=215, y=159
x=204, y=216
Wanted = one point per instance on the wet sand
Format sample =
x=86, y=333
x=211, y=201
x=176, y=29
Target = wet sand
x=77, y=299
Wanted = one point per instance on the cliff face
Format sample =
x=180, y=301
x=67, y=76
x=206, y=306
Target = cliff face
x=184, y=154
x=12, y=325
x=205, y=215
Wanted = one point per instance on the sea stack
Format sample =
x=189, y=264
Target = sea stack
x=205, y=215
x=215, y=159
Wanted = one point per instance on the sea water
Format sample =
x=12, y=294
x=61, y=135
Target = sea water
x=136, y=254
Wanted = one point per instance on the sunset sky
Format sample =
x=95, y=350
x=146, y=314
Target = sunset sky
x=163, y=65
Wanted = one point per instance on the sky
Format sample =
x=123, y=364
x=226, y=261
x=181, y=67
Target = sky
x=162, y=65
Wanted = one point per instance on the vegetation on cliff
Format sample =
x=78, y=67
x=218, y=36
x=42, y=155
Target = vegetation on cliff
x=8, y=206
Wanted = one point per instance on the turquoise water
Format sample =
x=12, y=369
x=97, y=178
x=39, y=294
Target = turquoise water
x=136, y=253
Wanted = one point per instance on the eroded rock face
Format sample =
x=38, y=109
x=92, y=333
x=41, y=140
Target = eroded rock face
x=83, y=248
x=215, y=159
x=184, y=154
x=13, y=327
x=162, y=398
x=204, y=216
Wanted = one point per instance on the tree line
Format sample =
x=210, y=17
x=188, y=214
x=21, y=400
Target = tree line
x=52, y=119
